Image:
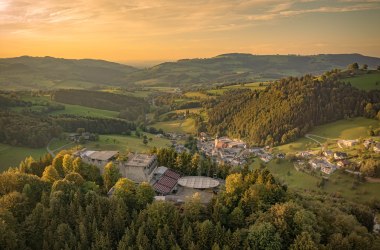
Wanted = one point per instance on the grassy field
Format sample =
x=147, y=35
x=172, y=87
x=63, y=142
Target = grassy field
x=338, y=183
x=69, y=109
x=11, y=156
x=252, y=86
x=197, y=95
x=177, y=126
x=343, y=129
x=85, y=111
x=126, y=143
x=365, y=82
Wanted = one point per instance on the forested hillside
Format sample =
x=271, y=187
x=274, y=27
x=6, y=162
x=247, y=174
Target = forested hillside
x=27, y=130
x=130, y=107
x=288, y=109
x=61, y=203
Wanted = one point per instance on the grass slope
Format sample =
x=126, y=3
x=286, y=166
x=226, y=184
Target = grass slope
x=344, y=129
x=365, y=82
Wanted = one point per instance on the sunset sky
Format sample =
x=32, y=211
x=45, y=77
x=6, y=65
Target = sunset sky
x=158, y=30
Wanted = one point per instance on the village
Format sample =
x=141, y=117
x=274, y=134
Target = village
x=327, y=161
x=170, y=185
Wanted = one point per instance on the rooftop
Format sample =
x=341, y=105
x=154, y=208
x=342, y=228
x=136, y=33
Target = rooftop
x=198, y=182
x=140, y=160
x=101, y=155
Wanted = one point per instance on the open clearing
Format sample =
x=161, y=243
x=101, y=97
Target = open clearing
x=127, y=143
x=177, y=126
x=11, y=156
x=365, y=82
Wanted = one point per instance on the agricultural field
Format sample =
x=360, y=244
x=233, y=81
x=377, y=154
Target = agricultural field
x=252, y=86
x=85, y=111
x=344, y=129
x=69, y=109
x=177, y=126
x=366, y=82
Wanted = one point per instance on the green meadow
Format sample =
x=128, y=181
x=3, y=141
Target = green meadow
x=124, y=143
x=11, y=156
x=365, y=82
x=177, y=126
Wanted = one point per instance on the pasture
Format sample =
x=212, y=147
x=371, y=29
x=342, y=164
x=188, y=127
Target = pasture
x=177, y=126
x=365, y=82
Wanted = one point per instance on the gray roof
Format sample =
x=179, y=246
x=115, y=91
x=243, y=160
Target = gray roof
x=140, y=160
x=198, y=182
x=102, y=155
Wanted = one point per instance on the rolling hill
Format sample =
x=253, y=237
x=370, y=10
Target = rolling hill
x=243, y=68
x=52, y=73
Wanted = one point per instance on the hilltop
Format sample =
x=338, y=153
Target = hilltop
x=238, y=68
x=27, y=72
x=51, y=73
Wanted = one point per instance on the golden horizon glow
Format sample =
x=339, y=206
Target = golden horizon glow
x=159, y=30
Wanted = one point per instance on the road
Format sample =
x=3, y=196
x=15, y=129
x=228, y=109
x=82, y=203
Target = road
x=310, y=136
x=51, y=152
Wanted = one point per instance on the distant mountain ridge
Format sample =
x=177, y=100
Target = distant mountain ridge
x=48, y=72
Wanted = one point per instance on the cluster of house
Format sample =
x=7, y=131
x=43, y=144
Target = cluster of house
x=84, y=136
x=325, y=163
x=225, y=150
x=168, y=184
x=370, y=143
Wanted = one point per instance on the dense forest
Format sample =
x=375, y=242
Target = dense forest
x=130, y=107
x=27, y=130
x=60, y=203
x=70, y=123
x=288, y=109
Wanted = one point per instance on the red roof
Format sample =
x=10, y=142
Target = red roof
x=167, y=182
x=161, y=188
x=172, y=174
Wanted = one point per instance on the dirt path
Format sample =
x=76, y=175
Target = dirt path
x=51, y=152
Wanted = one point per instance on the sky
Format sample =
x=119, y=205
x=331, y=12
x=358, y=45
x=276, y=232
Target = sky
x=165, y=30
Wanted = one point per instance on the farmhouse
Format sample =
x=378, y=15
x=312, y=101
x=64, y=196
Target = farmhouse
x=343, y=163
x=139, y=167
x=328, y=153
x=340, y=155
x=323, y=165
x=368, y=143
x=347, y=143
x=376, y=148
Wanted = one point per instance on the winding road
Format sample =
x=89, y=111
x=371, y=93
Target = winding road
x=51, y=152
x=310, y=136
